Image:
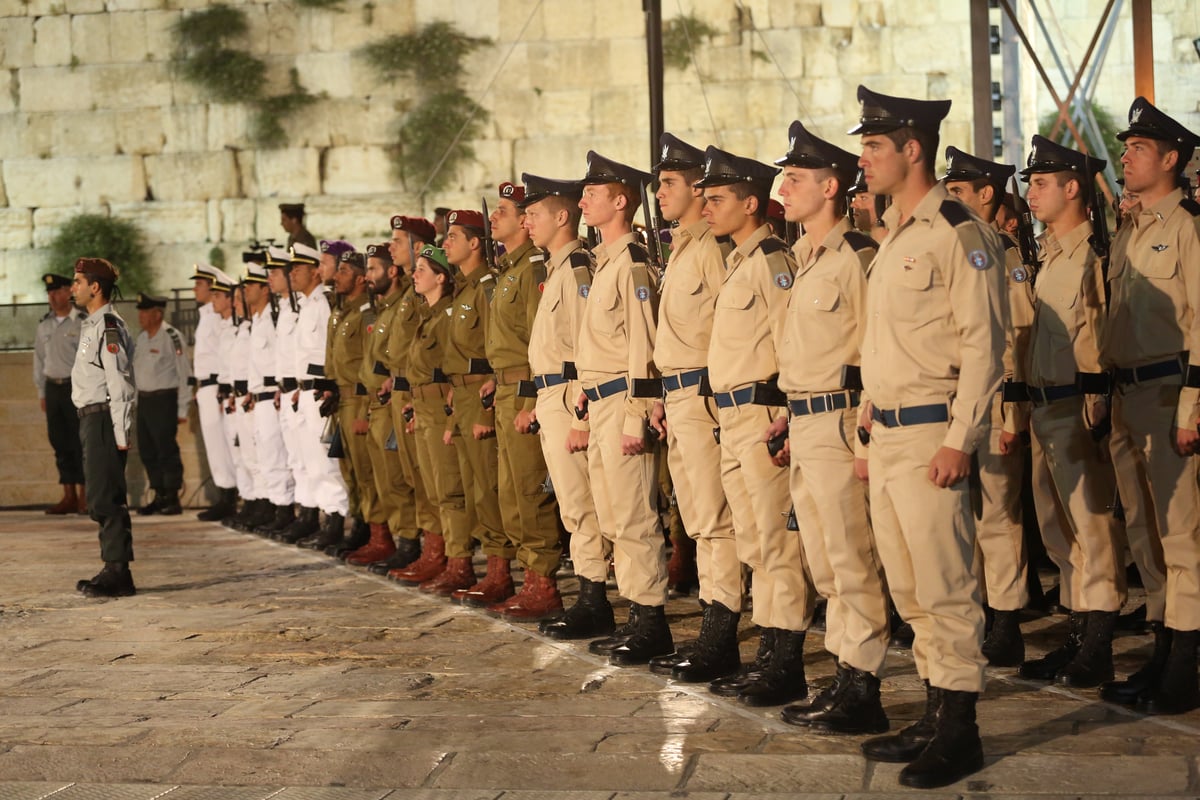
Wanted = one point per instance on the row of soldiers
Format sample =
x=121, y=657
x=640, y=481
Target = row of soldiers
x=842, y=418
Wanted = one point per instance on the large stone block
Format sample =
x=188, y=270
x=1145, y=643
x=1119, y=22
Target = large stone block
x=7, y=101
x=16, y=228
x=48, y=220
x=160, y=43
x=613, y=109
x=516, y=18
x=566, y=112
x=472, y=17
x=34, y=182
x=19, y=271
x=184, y=128
x=27, y=135
x=354, y=170
x=239, y=219
x=356, y=218
x=192, y=176
x=228, y=125
x=868, y=52
x=492, y=164
x=140, y=131
x=52, y=41
x=84, y=7
x=55, y=89
x=116, y=86
x=516, y=113
x=84, y=133
x=326, y=72
x=115, y=179
x=90, y=38
x=578, y=65
x=172, y=264
x=839, y=13
x=288, y=32
x=167, y=223
x=287, y=172
x=932, y=48
x=16, y=43
x=627, y=62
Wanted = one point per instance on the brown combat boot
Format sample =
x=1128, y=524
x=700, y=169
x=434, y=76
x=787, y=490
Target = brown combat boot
x=379, y=547
x=68, y=504
x=538, y=599
x=429, y=565
x=496, y=586
x=681, y=568
x=458, y=574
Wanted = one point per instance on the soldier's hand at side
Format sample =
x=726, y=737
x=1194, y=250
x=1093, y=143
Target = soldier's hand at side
x=447, y=437
x=181, y=420
x=482, y=432
x=860, y=470
x=1009, y=443
x=632, y=445
x=866, y=416
x=948, y=467
x=387, y=386
x=42, y=403
x=488, y=387
x=360, y=427
x=523, y=420
x=119, y=447
x=1186, y=441
x=577, y=441
x=658, y=420
x=778, y=427
x=295, y=397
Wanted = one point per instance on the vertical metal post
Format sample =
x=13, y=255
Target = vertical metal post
x=654, y=63
x=981, y=69
x=1010, y=77
x=1143, y=49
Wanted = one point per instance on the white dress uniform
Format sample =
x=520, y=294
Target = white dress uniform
x=312, y=325
x=207, y=358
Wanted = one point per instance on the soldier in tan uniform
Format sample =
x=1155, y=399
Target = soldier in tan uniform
x=1153, y=342
x=1069, y=411
x=529, y=511
x=620, y=389
x=1000, y=534
x=409, y=236
x=743, y=371
x=552, y=219
x=818, y=351
x=694, y=275
x=932, y=362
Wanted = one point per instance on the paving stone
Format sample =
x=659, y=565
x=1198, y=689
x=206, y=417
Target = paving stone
x=660, y=771
x=29, y=790
x=307, y=767
x=1049, y=774
x=776, y=773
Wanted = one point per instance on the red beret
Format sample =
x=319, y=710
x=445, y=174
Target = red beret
x=512, y=191
x=418, y=226
x=97, y=268
x=466, y=217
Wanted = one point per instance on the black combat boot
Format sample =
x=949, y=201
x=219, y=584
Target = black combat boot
x=1093, y=664
x=716, y=654
x=407, y=551
x=664, y=664
x=1177, y=691
x=280, y=521
x=1143, y=681
x=1046, y=667
x=331, y=532
x=731, y=685
x=651, y=637
x=1004, y=645
x=592, y=615
x=262, y=514
x=115, y=580
x=225, y=506
x=360, y=534
x=620, y=634
x=856, y=708
x=907, y=743
x=168, y=503
x=802, y=713
x=954, y=752
x=152, y=507
x=307, y=522
x=783, y=679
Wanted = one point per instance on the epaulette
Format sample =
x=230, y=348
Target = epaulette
x=1009, y=244
x=969, y=235
x=175, y=340
x=112, y=333
x=581, y=265
x=487, y=282
x=537, y=262
x=783, y=268
x=726, y=244
x=1192, y=207
x=640, y=271
x=864, y=247
x=47, y=316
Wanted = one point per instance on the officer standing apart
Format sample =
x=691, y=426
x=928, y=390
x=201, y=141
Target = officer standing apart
x=1154, y=337
x=291, y=219
x=102, y=391
x=932, y=362
x=54, y=347
x=161, y=373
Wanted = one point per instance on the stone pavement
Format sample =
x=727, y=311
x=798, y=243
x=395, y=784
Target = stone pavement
x=246, y=669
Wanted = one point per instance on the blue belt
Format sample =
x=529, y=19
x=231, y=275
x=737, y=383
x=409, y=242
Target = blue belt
x=912, y=415
x=549, y=379
x=833, y=401
x=682, y=380
x=1163, y=369
x=606, y=389
x=1041, y=395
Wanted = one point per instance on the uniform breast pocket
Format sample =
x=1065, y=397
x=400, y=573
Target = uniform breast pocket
x=818, y=296
x=1161, y=265
x=737, y=308
x=683, y=299
x=911, y=290
x=606, y=316
x=467, y=318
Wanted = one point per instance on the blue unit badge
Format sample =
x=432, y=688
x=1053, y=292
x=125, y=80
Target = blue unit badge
x=643, y=293
x=583, y=290
x=783, y=280
x=978, y=259
x=1019, y=275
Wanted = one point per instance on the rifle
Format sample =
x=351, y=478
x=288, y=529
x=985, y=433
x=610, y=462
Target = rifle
x=489, y=248
x=791, y=232
x=653, y=242
x=592, y=238
x=1099, y=239
x=1026, y=242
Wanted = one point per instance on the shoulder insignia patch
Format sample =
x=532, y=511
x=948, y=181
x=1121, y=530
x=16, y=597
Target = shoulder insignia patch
x=954, y=212
x=779, y=262
x=1019, y=275
x=969, y=232
x=641, y=281
x=112, y=334
x=175, y=340
x=978, y=259
x=539, y=273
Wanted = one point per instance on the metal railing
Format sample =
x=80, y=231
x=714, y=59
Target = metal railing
x=19, y=321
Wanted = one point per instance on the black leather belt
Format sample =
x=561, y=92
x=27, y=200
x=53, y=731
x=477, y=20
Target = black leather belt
x=400, y=384
x=682, y=380
x=757, y=394
x=1014, y=392
x=264, y=396
x=607, y=389
x=549, y=379
x=241, y=387
x=59, y=381
x=269, y=380
x=307, y=386
x=1161, y=369
x=912, y=415
x=288, y=384
x=316, y=370
x=208, y=382
x=158, y=392
x=833, y=401
x=92, y=408
x=360, y=390
x=1042, y=395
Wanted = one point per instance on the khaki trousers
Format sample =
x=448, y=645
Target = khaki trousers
x=694, y=458
x=999, y=533
x=625, y=489
x=1147, y=411
x=1141, y=526
x=527, y=509
x=835, y=528
x=759, y=502
x=395, y=495
x=572, y=487
x=925, y=536
x=440, y=471
x=356, y=466
x=1089, y=554
x=425, y=512
x=477, y=462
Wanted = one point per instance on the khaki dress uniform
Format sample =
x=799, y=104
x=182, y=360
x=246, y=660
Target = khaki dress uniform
x=438, y=463
x=528, y=510
x=347, y=332
x=466, y=366
x=821, y=336
x=742, y=367
x=1068, y=319
x=694, y=275
x=613, y=355
x=556, y=329
x=407, y=314
x=932, y=363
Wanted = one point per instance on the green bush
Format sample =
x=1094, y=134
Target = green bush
x=228, y=75
x=433, y=55
x=97, y=236
x=266, y=124
x=428, y=130
x=681, y=38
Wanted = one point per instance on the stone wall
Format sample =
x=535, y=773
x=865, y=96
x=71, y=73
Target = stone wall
x=92, y=118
